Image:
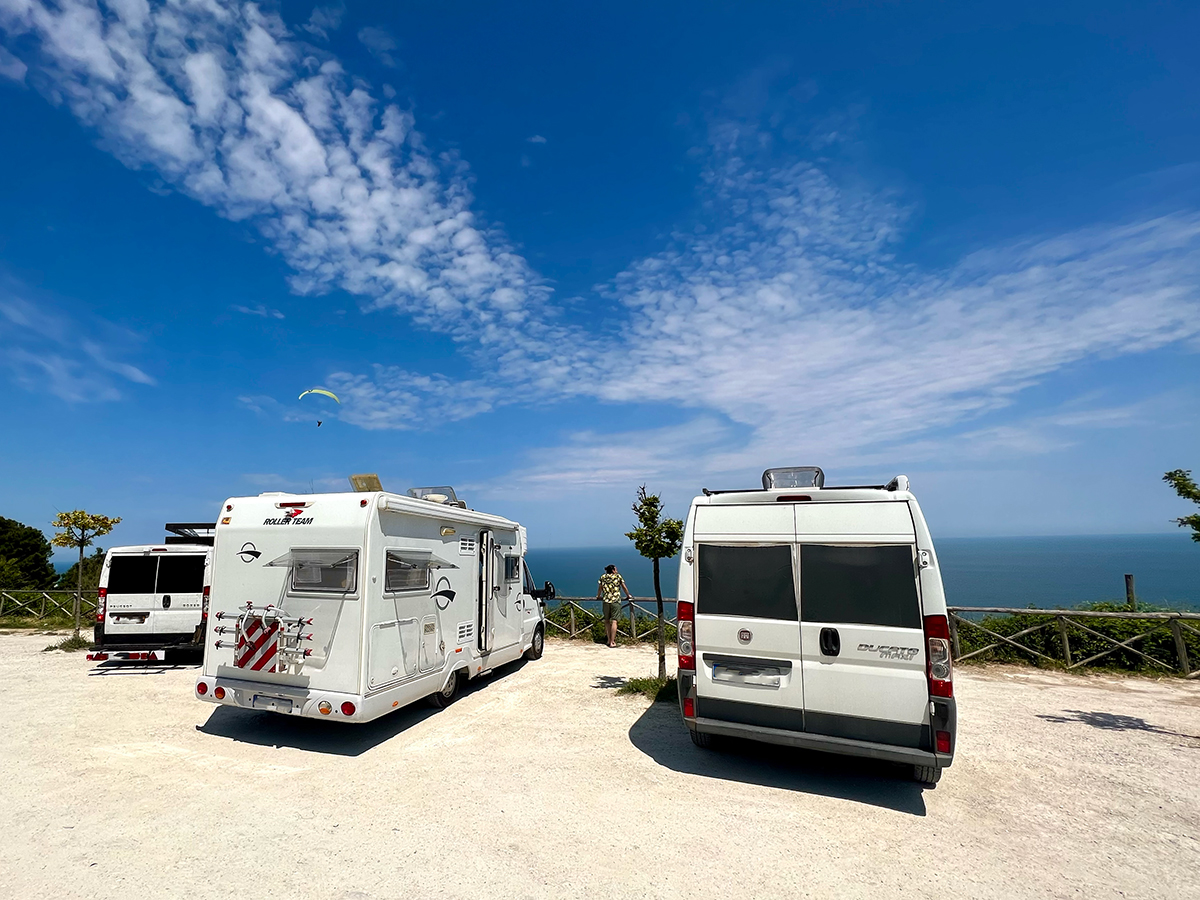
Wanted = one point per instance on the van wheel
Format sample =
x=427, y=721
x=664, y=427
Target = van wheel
x=927, y=774
x=445, y=696
x=700, y=739
x=538, y=646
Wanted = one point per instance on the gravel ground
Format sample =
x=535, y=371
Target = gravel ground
x=540, y=782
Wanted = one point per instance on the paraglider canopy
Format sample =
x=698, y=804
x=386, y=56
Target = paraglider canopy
x=320, y=391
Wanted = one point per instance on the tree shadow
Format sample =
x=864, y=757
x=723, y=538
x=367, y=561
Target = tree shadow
x=661, y=735
x=610, y=682
x=267, y=729
x=1111, y=722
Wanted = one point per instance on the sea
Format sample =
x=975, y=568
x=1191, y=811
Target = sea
x=1043, y=572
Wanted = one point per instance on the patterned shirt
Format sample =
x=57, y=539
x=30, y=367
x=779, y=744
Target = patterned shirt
x=610, y=587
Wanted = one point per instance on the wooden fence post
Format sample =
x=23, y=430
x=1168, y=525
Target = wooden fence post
x=1066, y=641
x=632, y=622
x=956, y=650
x=571, y=609
x=1180, y=647
x=1130, y=594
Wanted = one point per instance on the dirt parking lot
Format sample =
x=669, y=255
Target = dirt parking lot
x=540, y=782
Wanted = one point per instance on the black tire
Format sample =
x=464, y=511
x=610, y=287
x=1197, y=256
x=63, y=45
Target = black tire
x=700, y=739
x=446, y=695
x=927, y=774
x=538, y=647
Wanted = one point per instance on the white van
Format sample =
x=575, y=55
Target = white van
x=814, y=617
x=151, y=597
x=347, y=606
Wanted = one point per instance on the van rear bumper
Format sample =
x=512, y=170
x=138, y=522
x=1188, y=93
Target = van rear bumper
x=822, y=742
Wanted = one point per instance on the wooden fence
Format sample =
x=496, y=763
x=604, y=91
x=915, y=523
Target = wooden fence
x=637, y=620
x=43, y=604
x=1179, y=624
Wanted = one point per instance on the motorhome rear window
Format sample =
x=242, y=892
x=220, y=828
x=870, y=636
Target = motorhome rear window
x=180, y=574
x=405, y=575
x=746, y=581
x=859, y=585
x=132, y=574
x=327, y=572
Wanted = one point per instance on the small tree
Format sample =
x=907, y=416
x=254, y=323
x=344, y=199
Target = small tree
x=78, y=528
x=656, y=538
x=1181, y=480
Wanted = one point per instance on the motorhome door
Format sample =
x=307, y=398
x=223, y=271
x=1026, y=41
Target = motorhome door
x=488, y=585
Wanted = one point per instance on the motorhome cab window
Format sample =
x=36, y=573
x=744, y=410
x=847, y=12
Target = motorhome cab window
x=133, y=574
x=859, y=585
x=321, y=571
x=512, y=568
x=405, y=574
x=746, y=581
x=528, y=587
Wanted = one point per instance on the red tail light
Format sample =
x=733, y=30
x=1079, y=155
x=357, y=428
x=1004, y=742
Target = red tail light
x=943, y=741
x=689, y=707
x=686, y=629
x=201, y=688
x=204, y=605
x=939, y=668
x=101, y=604
x=347, y=708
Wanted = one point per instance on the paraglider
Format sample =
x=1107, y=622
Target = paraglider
x=321, y=391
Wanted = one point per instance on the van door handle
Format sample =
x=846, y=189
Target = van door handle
x=830, y=641
x=166, y=601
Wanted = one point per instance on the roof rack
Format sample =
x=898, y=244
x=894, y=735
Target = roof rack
x=190, y=533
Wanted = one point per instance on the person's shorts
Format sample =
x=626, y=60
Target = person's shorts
x=612, y=609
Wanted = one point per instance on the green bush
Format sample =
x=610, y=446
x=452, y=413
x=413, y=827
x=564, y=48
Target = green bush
x=590, y=626
x=1160, y=644
x=665, y=690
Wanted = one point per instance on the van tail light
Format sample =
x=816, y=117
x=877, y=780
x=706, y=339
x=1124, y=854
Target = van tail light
x=204, y=605
x=686, y=629
x=101, y=605
x=939, y=668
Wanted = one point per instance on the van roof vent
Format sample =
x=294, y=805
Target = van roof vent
x=793, y=477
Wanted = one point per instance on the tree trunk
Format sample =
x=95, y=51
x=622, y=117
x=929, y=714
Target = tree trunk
x=662, y=631
x=78, y=590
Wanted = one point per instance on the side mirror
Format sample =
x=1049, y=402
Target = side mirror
x=549, y=591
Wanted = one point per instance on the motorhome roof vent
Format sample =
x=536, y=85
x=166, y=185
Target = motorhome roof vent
x=442, y=493
x=793, y=477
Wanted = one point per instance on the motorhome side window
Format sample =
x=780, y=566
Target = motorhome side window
x=512, y=568
x=404, y=575
x=859, y=585
x=132, y=574
x=325, y=571
x=746, y=581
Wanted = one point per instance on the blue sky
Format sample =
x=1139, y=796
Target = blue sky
x=548, y=253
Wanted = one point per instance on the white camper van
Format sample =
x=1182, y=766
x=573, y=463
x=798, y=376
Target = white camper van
x=814, y=617
x=151, y=597
x=347, y=606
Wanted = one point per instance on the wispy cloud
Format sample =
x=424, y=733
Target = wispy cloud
x=536, y=139
x=325, y=19
x=48, y=352
x=11, y=67
x=380, y=43
x=259, y=310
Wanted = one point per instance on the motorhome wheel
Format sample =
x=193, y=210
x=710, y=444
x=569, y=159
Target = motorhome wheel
x=445, y=696
x=700, y=739
x=538, y=646
x=927, y=774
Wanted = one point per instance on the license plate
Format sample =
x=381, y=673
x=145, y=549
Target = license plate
x=273, y=704
x=139, y=619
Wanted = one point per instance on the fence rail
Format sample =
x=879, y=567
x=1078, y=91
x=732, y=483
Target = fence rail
x=43, y=604
x=1066, y=620
x=577, y=621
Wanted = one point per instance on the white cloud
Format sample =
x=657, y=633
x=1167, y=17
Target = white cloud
x=11, y=67
x=325, y=19
x=259, y=310
x=74, y=361
x=536, y=139
x=380, y=43
x=397, y=399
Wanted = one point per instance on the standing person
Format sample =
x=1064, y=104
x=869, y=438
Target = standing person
x=609, y=591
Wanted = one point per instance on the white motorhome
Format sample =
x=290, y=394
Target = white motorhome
x=814, y=617
x=151, y=597
x=347, y=606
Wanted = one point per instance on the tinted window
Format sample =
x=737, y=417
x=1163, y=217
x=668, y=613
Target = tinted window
x=132, y=574
x=746, y=581
x=859, y=585
x=181, y=574
x=512, y=568
x=405, y=575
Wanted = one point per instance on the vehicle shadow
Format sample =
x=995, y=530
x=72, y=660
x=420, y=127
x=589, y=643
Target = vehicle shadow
x=268, y=729
x=122, y=669
x=1111, y=722
x=661, y=735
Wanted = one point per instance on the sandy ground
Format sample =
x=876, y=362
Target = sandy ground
x=540, y=782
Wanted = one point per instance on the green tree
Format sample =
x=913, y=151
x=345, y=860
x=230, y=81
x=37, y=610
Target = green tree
x=27, y=548
x=79, y=528
x=11, y=575
x=656, y=538
x=1181, y=480
x=92, y=566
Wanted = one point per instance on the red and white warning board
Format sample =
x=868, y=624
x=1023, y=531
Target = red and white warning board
x=257, y=644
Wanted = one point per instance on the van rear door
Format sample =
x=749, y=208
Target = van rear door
x=861, y=627
x=179, y=592
x=748, y=666
x=131, y=597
